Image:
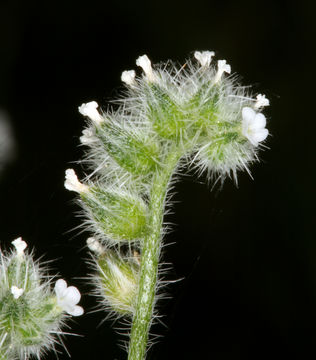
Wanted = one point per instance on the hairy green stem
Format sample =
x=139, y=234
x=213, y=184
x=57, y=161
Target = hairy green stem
x=150, y=259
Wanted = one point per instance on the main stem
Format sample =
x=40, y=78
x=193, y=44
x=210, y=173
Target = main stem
x=150, y=259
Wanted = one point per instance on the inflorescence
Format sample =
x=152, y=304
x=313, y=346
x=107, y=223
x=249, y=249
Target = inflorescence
x=196, y=116
x=32, y=315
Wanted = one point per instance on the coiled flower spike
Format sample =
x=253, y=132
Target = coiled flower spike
x=196, y=116
x=31, y=314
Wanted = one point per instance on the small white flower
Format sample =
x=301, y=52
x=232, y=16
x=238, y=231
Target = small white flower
x=253, y=126
x=204, y=57
x=128, y=77
x=94, y=245
x=90, y=110
x=73, y=184
x=19, y=245
x=221, y=68
x=87, y=137
x=145, y=64
x=261, y=101
x=16, y=292
x=68, y=298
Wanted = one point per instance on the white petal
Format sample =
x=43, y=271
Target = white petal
x=248, y=114
x=128, y=77
x=19, y=245
x=76, y=311
x=259, y=122
x=260, y=135
x=87, y=137
x=221, y=68
x=204, y=57
x=261, y=101
x=90, y=110
x=73, y=184
x=144, y=62
x=72, y=295
x=60, y=287
x=16, y=292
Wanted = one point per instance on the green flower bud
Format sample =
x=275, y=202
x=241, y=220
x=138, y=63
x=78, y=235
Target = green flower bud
x=119, y=215
x=133, y=151
x=116, y=281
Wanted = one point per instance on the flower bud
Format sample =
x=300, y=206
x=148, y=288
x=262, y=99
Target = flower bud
x=168, y=118
x=73, y=184
x=145, y=64
x=133, y=151
x=204, y=57
x=119, y=215
x=128, y=77
x=90, y=110
x=117, y=282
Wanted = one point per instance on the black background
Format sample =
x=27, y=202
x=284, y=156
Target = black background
x=247, y=254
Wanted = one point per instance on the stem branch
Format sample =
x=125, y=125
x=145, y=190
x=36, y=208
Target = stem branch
x=149, y=260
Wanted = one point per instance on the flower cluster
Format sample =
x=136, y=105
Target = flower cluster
x=197, y=115
x=213, y=117
x=31, y=314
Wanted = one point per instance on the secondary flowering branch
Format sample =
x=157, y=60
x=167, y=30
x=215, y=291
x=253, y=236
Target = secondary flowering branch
x=31, y=314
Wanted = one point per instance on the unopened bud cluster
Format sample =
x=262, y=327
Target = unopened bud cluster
x=31, y=313
x=197, y=112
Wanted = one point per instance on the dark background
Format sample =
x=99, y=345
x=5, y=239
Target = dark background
x=247, y=254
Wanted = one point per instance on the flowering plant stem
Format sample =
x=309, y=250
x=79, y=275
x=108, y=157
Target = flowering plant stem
x=150, y=259
x=196, y=116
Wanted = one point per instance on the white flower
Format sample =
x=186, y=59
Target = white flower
x=261, y=101
x=87, y=137
x=128, y=77
x=253, y=126
x=19, y=245
x=221, y=68
x=73, y=184
x=16, y=292
x=68, y=298
x=204, y=57
x=94, y=245
x=90, y=110
x=145, y=64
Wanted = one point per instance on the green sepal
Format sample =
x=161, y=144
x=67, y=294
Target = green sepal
x=119, y=281
x=168, y=121
x=203, y=106
x=121, y=216
x=136, y=154
x=28, y=323
x=30, y=334
x=18, y=272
